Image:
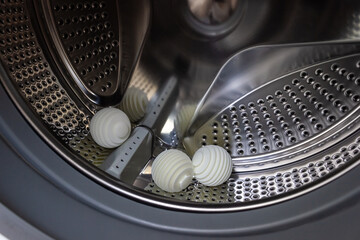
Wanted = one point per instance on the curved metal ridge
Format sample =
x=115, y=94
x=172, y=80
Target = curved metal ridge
x=306, y=112
x=91, y=40
x=76, y=38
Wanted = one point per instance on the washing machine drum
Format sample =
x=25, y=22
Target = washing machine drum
x=275, y=84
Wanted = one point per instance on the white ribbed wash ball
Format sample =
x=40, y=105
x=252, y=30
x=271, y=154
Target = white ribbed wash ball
x=110, y=127
x=134, y=103
x=212, y=165
x=172, y=170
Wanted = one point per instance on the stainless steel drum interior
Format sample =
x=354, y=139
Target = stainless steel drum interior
x=277, y=88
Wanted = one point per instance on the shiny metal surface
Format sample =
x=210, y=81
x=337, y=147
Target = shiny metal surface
x=38, y=83
x=210, y=18
x=212, y=12
x=255, y=67
x=97, y=44
x=262, y=23
x=295, y=37
x=287, y=118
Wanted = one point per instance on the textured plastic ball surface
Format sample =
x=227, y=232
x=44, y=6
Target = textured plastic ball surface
x=183, y=118
x=134, y=103
x=110, y=127
x=172, y=170
x=212, y=165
